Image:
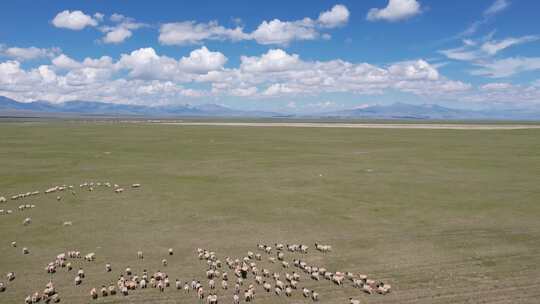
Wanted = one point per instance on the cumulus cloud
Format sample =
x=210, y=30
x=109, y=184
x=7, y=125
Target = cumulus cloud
x=337, y=16
x=190, y=32
x=272, y=32
x=283, y=32
x=29, y=53
x=144, y=75
x=396, y=10
x=122, y=30
x=74, y=20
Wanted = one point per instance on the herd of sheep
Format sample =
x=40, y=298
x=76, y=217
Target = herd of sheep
x=251, y=274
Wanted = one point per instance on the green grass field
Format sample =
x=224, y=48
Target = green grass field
x=444, y=216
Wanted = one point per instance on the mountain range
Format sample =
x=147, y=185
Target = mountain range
x=10, y=107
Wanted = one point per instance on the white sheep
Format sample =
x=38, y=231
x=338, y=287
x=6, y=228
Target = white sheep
x=171, y=252
x=353, y=301
x=25, y=250
x=2, y=199
x=136, y=185
x=140, y=255
x=27, y=221
x=14, y=244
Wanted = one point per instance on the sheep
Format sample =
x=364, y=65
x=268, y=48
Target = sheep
x=119, y=190
x=236, y=299
x=2, y=287
x=306, y=292
x=266, y=286
x=108, y=267
x=80, y=273
x=164, y=262
x=27, y=221
x=277, y=291
x=25, y=250
x=9, y=211
x=13, y=244
x=104, y=291
x=90, y=257
x=353, y=301
x=140, y=255
x=383, y=288
x=280, y=256
x=2, y=212
x=171, y=252
x=2, y=199
x=248, y=295
x=136, y=186
x=285, y=264
x=112, y=290
x=280, y=284
x=367, y=289
x=78, y=280
x=10, y=276
x=315, y=276
x=314, y=296
x=224, y=284
x=211, y=284
x=68, y=266
x=288, y=291
x=142, y=284
x=67, y=223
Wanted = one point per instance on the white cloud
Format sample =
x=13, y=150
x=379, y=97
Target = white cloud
x=496, y=86
x=276, y=32
x=482, y=50
x=496, y=7
x=73, y=20
x=120, y=31
x=202, y=61
x=395, y=10
x=337, y=16
x=275, y=60
x=507, y=67
x=157, y=79
x=22, y=54
x=493, y=47
x=190, y=32
x=283, y=32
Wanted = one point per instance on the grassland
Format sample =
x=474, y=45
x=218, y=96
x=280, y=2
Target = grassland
x=445, y=216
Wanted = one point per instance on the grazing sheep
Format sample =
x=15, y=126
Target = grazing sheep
x=104, y=291
x=67, y=223
x=211, y=284
x=27, y=221
x=236, y=299
x=353, y=301
x=136, y=185
x=108, y=267
x=224, y=284
x=13, y=244
x=58, y=198
x=68, y=266
x=119, y=190
x=171, y=252
x=25, y=250
x=267, y=286
x=285, y=264
x=80, y=273
x=90, y=257
x=78, y=280
x=306, y=292
x=314, y=296
x=2, y=287
x=10, y=276
x=142, y=284
x=277, y=291
x=288, y=291
x=112, y=290
x=2, y=199
x=140, y=255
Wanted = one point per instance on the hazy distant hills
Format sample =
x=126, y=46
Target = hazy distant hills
x=9, y=107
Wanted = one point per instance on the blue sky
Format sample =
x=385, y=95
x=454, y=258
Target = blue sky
x=279, y=55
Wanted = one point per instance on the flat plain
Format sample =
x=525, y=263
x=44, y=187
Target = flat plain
x=444, y=216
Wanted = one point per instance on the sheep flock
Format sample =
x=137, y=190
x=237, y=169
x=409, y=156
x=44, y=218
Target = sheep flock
x=278, y=270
